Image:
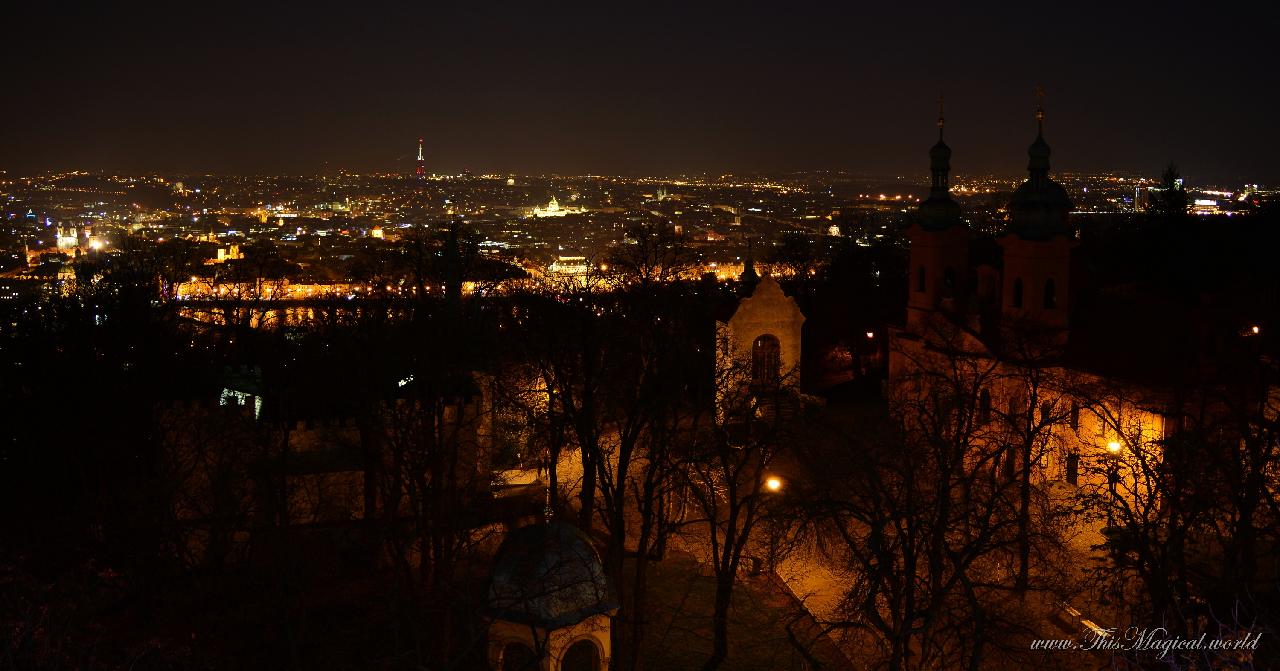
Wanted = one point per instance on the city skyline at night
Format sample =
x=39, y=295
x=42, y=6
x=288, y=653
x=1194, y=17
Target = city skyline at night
x=645, y=337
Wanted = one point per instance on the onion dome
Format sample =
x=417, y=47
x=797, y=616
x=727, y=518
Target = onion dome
x=1040, y=206
x=938, y=212
x=548, y=576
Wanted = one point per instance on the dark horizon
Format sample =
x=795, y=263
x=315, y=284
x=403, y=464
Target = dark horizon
x=638, y=90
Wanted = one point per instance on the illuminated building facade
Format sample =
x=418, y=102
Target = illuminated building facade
x=553, y=208
x=67, y=238
x=994, y=320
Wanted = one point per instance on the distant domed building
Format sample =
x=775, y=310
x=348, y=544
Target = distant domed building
x=550, y=605
x=555, y=209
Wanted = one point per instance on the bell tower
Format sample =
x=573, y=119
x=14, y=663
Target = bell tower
x=1038, y=245
x=939, y=242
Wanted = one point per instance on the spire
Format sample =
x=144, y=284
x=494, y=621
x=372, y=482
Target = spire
x=749, y=277
x=420, y=149
x=940, y=161
x=1038, y=152
x=938, y=211
x=1039, y=111
x=942, y=121
x=1039, y=207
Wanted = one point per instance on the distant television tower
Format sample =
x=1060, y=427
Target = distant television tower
x=422, y=163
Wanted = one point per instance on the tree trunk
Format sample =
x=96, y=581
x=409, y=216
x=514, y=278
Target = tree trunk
x=587, y=497
x=639, y=592
x=1024, y=522
x=720, y=624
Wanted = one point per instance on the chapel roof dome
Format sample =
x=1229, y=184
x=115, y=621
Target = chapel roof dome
x=548, y=576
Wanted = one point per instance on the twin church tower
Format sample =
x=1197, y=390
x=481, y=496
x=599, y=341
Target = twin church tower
x=1032, y=286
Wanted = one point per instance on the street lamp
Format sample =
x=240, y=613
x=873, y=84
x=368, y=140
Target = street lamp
x=1113, y=476
x=773, y=483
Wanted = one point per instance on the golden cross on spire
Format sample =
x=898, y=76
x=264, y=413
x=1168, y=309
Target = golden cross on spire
x=1039, y=103
x=941, y=119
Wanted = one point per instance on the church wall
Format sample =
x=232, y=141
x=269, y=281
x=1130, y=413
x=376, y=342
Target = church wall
x=940, y=259
x=1035, y=263
x=1110, y=420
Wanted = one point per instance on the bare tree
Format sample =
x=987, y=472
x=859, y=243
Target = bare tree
x=207, y=458
x=1147, y=506
x=1184, y=490
x=1033, y=383
x=728, y=471
x=922, y=511
x=652, y=253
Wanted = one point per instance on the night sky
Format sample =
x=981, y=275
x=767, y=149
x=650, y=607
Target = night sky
x=648, y=88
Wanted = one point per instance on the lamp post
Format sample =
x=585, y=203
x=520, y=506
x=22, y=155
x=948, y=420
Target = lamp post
x=1113, y=476
x=772, y=485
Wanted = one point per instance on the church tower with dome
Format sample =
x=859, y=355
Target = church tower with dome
x=1038, y=247
x=939, y=242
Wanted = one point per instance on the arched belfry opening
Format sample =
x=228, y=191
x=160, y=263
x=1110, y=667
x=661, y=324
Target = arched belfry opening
x=766, y=361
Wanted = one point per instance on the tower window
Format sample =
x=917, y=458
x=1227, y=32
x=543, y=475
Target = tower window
x=766, y=361
x=1050, y=295
x=1017, y=293
x=920, y=279
x=949, y=282
x=1073, y=468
